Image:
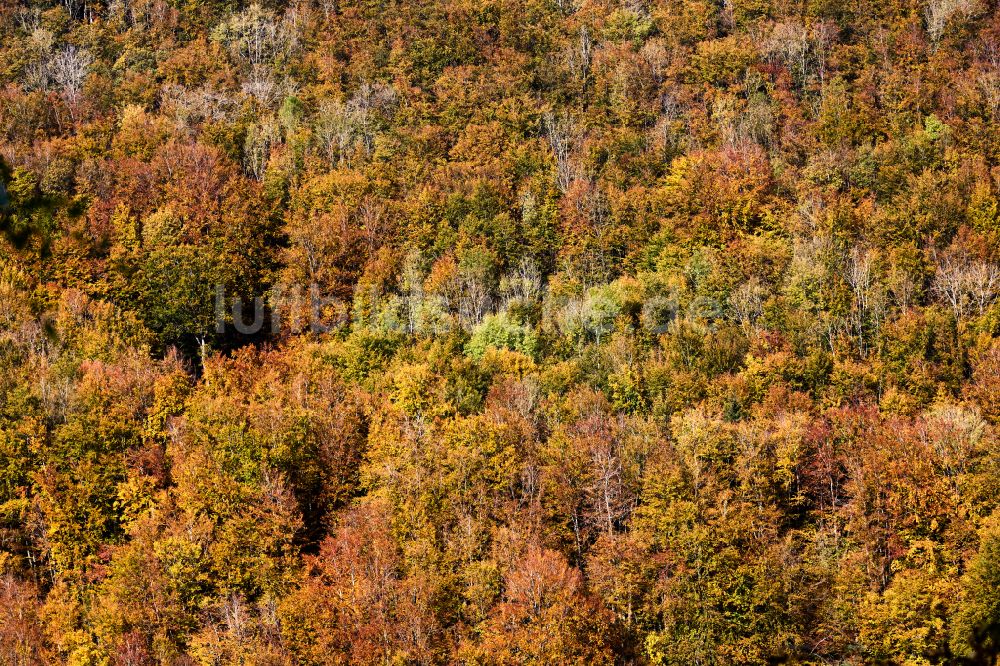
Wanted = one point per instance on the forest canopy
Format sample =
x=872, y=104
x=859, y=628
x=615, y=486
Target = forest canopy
x=495, y=332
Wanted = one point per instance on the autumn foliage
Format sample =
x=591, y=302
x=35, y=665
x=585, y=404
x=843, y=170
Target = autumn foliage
x=503, y=332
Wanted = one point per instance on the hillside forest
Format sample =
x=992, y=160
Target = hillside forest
x=499, y=332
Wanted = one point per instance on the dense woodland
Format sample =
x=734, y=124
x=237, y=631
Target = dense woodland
x=639, y=332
